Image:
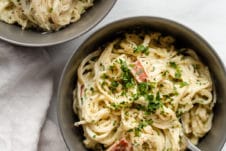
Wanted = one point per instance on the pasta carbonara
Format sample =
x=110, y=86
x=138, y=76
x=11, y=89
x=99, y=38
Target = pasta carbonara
x=49, y=15
x=141, y=93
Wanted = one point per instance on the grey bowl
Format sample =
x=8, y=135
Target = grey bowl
x=14, y=34
x=213, y=141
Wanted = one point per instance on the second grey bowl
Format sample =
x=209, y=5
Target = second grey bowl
x=73, y=136
x=14, y=34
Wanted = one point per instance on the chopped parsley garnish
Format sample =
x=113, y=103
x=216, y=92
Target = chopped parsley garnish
x=179, y=114
x=141, y=49
x=182, y=84
x=135, y=96
x=103, y=84
x=175, y=91
x=154, y=103
x=140, y=107
x=104, y=76
x=117, y=106
x=111, y=68
x=164, y=73
x=113, y=86
x=177, y=74
x=102, y=67
x=144, y=88
x=141, y=125
x=173, y=64
x=127, y=79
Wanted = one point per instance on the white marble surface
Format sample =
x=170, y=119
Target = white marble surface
x=208, y=18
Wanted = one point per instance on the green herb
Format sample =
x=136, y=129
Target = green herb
x=141, y=49
x=182, y=84
x=140, y=107
x=126, y=77
x=123, y=93
x=94, y=136
x=104, y=76
x=137, y=132
x=144, y=88
x=103, y=84
x=169, y=95
x=132, y=65
x=126, y=113
x=150, y=97
x=175, y=91
x=154, y=103
x=141, y=125
x=135, y=96
x=177, y=74
x=113, y=86
x=102, y=66
x=111, y=68
x=179, y=114
x=173, y=64
x=117, y=106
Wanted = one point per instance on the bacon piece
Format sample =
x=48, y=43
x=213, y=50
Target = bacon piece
x=138, y=72
x=121, y=145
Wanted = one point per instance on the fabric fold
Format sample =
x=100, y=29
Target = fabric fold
x=25, y=92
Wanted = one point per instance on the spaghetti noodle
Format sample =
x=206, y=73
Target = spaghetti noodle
x=49, y=15
x=142, y=93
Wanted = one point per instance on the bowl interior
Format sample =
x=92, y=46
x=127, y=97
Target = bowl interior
x=73, y=136
x=14, y=33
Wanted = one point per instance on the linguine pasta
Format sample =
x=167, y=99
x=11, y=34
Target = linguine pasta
x=49, y=15
x=142, y=93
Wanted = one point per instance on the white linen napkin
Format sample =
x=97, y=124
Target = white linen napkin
x=25, y=92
